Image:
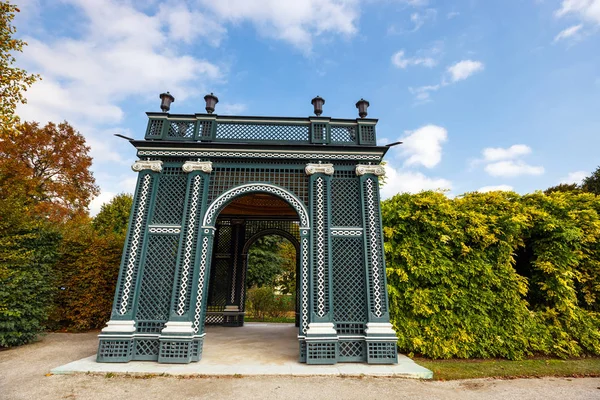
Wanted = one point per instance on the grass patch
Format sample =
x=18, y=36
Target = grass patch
x=532, y=368
x=270, y=319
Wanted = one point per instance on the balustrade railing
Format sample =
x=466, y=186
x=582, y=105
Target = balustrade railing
x=214, y=128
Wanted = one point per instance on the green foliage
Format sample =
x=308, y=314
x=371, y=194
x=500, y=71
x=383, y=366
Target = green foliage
x=264, y=261
x=592, y=183
x=494, y=274
x=263, y=303
x=27, y=252
x=563, y=187
x=114, y=216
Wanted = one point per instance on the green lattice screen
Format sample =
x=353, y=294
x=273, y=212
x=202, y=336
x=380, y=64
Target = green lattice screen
x=349, y=297
x=168, y=207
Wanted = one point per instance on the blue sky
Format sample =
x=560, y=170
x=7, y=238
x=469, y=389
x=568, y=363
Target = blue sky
x=484, y=94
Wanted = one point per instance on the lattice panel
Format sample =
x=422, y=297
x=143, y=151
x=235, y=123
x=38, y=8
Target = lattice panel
x=183, y=129
x=170, y=199
x=345, y=200
x=224, y=239
x=157, y=279
x=115, y=350
x=367, y=134
x=349, y=296
x=149, y=326
x=352, y=349
x=293, y=179
x=320, y=248
x=374, y=248
x=343, y=134
x=175, y=351
x=255, y=226
x=349, y=328
x=214, y=319
x=263, y=132
x=382, y=352
x=321, y=352
x=146, y=348
x=133, y=247
x=319, y=132
x=219, y=284
x=205, y=129
x=156, y=127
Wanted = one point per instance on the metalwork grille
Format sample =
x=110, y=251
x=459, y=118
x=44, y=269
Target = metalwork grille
x=343, y=134
x=155, y=128
x=345, y=200
x=382, y=350
x=146, y=349
x=133, y=249
x=352, y=350
x=255, y=226
x=175, y=350
x=262, y=132
x=205, y=129
x=319, y=132
x=157, y=278
x=374, y=250
x=367, y=134
x=181, y=129
x=320, y=352
x=115, y=350
x=219, y=284
x=349, y=302
x=170, y=199
x=321, y=248
x=149, y=326
x=214, y=319
x=350, y=328
x=224, y=237
x=293, y=179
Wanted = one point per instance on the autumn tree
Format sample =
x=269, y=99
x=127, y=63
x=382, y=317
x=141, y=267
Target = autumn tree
x=51, y=166
x=13, y=81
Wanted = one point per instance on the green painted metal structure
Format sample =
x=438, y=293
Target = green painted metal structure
x=184, y=261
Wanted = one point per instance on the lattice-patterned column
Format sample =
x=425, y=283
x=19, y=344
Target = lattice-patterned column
x=176, y=339
x=233, y=314
x=321, y=336
x=116, y=339
x=380, y=336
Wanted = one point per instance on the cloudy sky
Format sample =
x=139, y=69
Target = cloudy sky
x=485, y=94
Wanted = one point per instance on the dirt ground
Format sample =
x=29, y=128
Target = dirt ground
x=23, y=375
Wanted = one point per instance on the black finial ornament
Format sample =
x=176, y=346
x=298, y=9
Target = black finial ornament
x=317, y=103
x=362, y=106
x=165, y=101
x=211, y=102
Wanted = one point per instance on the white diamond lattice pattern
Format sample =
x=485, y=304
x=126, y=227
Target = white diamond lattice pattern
x=267, y=132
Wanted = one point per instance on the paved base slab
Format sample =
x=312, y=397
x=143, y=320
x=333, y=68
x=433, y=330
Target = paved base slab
x=254, y=349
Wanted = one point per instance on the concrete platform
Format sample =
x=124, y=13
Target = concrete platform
x=254, y=349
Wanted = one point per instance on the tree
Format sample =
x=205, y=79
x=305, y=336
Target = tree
x=591, y=184
x=51, y=165
x=13, y=81
x=264, y=261
x=563, y=187
x=114, y=216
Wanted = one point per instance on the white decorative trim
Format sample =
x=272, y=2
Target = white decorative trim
x=140, y=165
x=380, y=328
x=320, y=244
x=177, y=327
x=346, y=231
x=304, y=258
x=204, y=166
x=135, y=241
x=164, y=229
x=257, y=154
x=377, y=170
x=321, y=328
x=114, y=326
x=189, y=244
x=201, y=279
x=326, y=169
x=374, y=242
x=256, y=187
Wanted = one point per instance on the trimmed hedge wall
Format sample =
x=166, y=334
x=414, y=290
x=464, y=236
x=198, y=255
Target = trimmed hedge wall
x=494, y=274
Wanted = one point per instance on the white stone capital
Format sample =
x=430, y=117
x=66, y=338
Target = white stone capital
x=204, y=166
x=155, y=165
x=380, y=329
x=321, y=328
x=177, y=327
x=232, y=308
x=377, y=170
x=118, y=326
x=326, y=169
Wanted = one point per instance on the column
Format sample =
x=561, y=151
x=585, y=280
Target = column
x=233, y=314
x=380, y=336
x=116, y=339
x=177, y=343
x=321, y=336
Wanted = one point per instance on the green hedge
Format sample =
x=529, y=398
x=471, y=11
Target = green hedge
x=494, y=274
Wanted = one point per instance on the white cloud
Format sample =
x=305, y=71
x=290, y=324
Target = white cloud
x=588, y=10
x=186, y=25
x=512, y=168
x=297, y=22
x=232, y=108
x=452, y=15
x=464, y=69
x=411, y=182
x=574, y=177
x=504, y=188
x=98, y=201
x=400, y=61
x=423, y=93
x=424, y=146
x=571, y=32
x=498, y=153
x=420, y=18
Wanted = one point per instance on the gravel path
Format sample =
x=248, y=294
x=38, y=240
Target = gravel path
x=23, y=376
